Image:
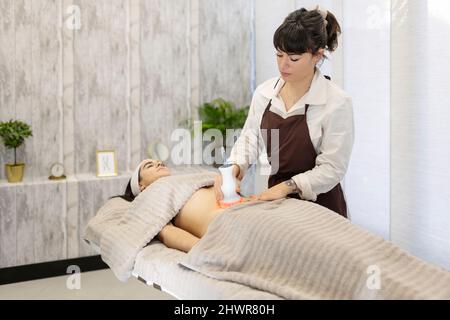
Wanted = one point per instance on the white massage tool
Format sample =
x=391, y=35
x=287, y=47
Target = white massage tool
x=230, y=196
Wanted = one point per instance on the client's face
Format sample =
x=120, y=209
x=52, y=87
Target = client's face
x=151, y=171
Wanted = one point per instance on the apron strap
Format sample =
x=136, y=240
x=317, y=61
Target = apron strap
x=277, y=83
x=270, y=102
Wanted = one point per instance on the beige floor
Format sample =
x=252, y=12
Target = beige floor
x=93, y=285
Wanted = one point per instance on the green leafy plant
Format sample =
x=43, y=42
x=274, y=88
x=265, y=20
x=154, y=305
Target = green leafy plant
x=14, y=134
x=222, y=115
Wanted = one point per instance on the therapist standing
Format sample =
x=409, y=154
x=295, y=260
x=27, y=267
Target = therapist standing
x=313, y=115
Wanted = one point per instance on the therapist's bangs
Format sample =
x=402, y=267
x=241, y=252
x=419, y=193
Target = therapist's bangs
x=292, y=39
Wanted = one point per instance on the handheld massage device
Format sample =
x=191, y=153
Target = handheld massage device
x=230, y=196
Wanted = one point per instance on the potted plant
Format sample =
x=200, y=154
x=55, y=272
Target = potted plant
x=221, y=115
x=14, y=134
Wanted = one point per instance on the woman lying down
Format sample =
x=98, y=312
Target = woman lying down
x=192, y=221
x=291, y=248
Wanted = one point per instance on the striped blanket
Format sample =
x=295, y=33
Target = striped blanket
x=300, y=250
x=155, y=207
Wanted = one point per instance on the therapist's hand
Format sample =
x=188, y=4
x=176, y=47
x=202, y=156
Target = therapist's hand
x=218, y=183
x=280, y=191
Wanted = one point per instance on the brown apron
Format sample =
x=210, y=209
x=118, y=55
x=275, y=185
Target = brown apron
x=297, y=155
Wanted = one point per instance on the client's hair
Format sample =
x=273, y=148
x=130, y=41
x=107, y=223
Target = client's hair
x=128, y=195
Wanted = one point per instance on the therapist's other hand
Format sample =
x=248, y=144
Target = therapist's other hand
x=218, y=183
x=280, y=191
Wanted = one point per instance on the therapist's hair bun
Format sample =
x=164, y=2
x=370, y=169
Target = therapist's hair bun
x=333, y=31
x=307, y=31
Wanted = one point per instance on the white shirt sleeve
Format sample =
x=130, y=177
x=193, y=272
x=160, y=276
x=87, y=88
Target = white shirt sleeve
x=246, y=149
x=334, y=153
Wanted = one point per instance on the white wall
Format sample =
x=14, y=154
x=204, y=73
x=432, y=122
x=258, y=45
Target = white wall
x=268, y=17
x=366, y=30
x=420, y=129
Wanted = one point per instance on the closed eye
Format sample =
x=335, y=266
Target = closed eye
x=290, y=56
x=148, y=165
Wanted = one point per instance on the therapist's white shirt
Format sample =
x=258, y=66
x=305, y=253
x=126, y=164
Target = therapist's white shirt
x=331, y=128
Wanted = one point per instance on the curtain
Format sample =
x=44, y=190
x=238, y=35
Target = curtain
x=420, y=131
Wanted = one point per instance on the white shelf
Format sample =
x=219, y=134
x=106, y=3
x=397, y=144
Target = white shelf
x=75, y=178
x=92, y=177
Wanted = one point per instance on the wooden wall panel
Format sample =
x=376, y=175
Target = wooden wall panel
x=124, y=80
x=100, y=73
x=92, y=196
x=7, y=76
x=8, y=227
x=25, y=101
x=25, y=217
x=225, y=50
x=37, y=80
x=50, y=228
x=164, y=69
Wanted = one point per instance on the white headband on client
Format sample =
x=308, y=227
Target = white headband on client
x=135, y=189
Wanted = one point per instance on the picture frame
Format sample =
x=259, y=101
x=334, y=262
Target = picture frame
x=106, y=163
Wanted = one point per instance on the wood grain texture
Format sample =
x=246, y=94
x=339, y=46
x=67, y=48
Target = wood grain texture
x=126, y=79
x=118, y=82
x=194, y=47
x=85, y=212
x=100, y=62
x=164, y=70
x=92, y=196
x=25, y=217
x=225, y=50
x=134, y=83
x=72, y=208
x=23, y=80
x=38, y=75
x=7, y=76
x=49, y=210
x=68, y=88
x=8, y=227
x=47, y=115
x=133, y=63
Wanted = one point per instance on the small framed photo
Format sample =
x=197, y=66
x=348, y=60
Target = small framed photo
x=106, y=163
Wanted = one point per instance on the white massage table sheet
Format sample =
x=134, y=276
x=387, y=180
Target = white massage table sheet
x=157, y=264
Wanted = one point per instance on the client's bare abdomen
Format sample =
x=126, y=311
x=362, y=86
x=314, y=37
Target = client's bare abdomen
x=198, y=212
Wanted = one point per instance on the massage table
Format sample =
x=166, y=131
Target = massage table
x=157, y=266
x=287, y=249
